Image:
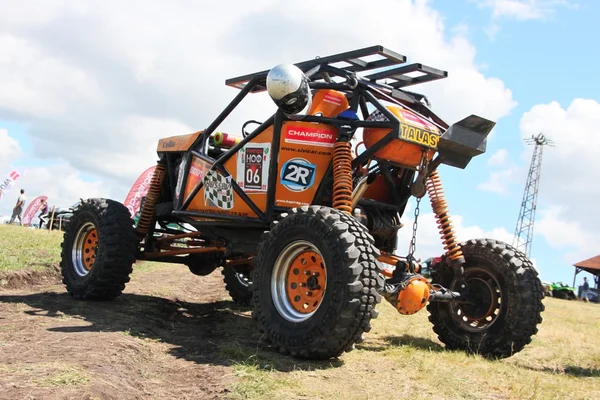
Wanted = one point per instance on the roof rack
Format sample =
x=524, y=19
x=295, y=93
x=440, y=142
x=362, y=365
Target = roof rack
x=355, y=62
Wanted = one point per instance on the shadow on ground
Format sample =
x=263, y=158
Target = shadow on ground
x=217, y=333
x=571, y=370
x=390, y=342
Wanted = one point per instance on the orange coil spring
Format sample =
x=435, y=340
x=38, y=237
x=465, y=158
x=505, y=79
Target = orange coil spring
x=342, y=177
x=444, y=222
x=151, y=198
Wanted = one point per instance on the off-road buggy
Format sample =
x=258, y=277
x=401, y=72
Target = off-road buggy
x=562, y=291
x=305, y=225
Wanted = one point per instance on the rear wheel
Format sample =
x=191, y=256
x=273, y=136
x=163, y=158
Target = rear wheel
x=238, y=283
x=509, y=304
x=98, y=250
x=316, y=283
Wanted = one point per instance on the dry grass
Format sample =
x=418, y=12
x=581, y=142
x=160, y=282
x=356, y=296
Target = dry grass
x=402, y=358
x=34, y=249
x=24, y=248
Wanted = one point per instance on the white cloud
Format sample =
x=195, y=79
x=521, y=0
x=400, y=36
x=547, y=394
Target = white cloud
x=524, y=10
x=9, y=150
x=568, y=191
x=429, y=242
x=97, y=86
x=510, y=174
x=499, y=158
x=61, y=183
x=520, y=10
x=500, y=181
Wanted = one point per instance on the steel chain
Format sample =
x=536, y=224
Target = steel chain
x=413, y=242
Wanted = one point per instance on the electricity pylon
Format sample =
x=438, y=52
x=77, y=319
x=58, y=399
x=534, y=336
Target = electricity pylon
x=524, y=231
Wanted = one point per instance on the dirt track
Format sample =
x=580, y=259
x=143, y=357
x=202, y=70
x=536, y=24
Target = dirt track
x=170, y=335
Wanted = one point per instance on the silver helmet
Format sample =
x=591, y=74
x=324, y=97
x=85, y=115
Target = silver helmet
x=288, y=87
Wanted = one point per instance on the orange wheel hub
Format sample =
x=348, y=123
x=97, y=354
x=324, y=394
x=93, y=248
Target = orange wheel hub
x=90, y=243
x=306, y=281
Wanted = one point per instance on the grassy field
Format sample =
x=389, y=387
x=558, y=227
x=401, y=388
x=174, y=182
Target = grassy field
x=21, y=247
x=401, y=355
x=400, y=358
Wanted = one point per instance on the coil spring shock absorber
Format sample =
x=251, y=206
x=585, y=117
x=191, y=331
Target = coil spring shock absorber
x=342, y=176
x=147, y=212
x=444, y=221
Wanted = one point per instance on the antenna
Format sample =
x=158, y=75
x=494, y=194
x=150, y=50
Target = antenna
x=524, y=231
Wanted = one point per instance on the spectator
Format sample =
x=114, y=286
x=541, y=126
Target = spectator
x=43, y=211
x=18, y=210
x=584, y=289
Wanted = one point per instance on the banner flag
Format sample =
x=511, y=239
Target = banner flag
x=139, y=190
x=7, y=183
x=32, y=209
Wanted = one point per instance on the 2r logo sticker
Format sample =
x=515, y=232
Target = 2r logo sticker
x=298, y=174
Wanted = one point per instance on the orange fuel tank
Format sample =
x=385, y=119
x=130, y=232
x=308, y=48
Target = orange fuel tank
x=415, y=134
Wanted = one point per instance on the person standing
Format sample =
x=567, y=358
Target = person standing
x=43, y=211
x=584, y=289
x=18, y=210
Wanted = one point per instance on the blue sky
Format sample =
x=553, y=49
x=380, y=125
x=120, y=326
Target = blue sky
x=540, y=61
x=143, y=83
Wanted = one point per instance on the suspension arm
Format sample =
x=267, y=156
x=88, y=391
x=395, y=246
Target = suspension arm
x=447, y=296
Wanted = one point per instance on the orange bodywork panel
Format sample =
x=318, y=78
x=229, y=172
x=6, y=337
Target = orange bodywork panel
x=305, y=152
x=177, y=143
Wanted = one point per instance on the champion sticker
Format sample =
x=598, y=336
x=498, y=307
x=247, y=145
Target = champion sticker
x=313, y=136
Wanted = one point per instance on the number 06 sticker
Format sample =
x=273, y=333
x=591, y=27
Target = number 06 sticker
x=253, y=167
x=298, y=174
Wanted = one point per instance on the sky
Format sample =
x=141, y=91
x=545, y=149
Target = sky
x=89, y=87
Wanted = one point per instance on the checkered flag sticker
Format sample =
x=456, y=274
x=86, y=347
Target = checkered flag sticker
x=218, y=190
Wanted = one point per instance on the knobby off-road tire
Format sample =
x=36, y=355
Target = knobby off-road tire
x=238, y=284
x=321, y=243
x=98, y=250
x=507, y=317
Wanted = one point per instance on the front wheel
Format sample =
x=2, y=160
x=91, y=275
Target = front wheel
x=316, y=283
x=98, y=250
x=509, y=301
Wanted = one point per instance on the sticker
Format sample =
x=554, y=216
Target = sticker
x=253, y=167
x=298, y=174
x=218, y=191
x=410, y=133
x=197, y=171
x=313, y=136
x=332, y=99
x=418, y=136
